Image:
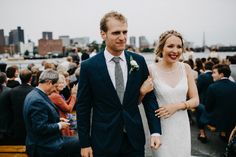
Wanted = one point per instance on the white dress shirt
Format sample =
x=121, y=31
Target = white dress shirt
x=111, y=67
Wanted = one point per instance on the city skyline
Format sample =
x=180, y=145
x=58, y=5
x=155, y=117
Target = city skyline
x=80, y=18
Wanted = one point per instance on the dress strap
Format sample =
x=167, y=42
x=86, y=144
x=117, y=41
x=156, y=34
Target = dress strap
x=183, y=69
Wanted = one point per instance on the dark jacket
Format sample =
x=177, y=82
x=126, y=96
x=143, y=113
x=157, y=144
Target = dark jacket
x=221, y=103
x=17, y=97
x=110, y=116
x=5, y=114
x=203, y=82
x=41, y=117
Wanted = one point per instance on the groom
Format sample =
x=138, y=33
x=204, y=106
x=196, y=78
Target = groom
x=109, y=84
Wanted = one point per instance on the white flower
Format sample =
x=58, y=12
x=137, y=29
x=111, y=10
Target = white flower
x=134, y=65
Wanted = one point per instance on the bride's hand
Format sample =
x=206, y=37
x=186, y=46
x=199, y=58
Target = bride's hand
x=147, y=86
x=166, y=111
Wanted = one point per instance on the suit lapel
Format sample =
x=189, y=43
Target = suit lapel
x=102, y=67
x=127, y=57
x=130, y=77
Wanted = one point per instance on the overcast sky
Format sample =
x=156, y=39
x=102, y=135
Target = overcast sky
x=78, y=18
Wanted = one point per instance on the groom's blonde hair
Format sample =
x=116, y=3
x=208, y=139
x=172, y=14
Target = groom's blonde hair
x=113, y=14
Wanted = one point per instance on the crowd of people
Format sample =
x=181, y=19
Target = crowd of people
x=104, y=91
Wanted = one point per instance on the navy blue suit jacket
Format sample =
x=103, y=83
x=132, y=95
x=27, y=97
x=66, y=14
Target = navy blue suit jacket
x=221, y=103
x=203, y=82
x=41, y=117
x=110, y=117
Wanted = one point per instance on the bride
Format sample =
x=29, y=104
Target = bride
x=176, y=92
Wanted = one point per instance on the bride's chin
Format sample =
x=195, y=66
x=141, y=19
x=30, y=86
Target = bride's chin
x=172, y=60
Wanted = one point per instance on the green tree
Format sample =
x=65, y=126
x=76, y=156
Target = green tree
x=26, y=53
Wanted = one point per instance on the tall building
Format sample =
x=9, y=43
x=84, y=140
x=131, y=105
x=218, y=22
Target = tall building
x=65, y=40
x=16, y=36
x=2, y=38
x=6, y=40
x=132, y=41
x=47, y=35
x=143, y=42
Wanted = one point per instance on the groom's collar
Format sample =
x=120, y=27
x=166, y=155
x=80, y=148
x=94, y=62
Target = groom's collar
x=108, y=56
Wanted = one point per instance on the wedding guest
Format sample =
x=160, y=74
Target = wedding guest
x=199, y=66
x=66, y=92
x=203, y=81
x=43, y=123
x=220, y=100
x=64, y=106
x=12, y=74
x=35, y=76
x=5, y=111
x=17, y=97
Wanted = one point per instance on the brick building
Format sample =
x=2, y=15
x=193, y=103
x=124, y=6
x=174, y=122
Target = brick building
x=10, y=49
x=52, y=46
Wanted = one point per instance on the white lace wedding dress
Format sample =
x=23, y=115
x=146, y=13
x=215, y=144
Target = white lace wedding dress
x=171, y=88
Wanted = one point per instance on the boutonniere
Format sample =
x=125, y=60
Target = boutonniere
x=134, y=65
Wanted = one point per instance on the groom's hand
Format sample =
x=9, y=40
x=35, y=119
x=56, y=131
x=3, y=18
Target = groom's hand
x=155, y=142
x=86, y=152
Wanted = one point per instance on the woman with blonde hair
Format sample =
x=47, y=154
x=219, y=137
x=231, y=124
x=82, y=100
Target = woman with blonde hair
x=176, y=92
x=64, y=106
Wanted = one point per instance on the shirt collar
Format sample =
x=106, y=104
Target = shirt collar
x=224, y=78
x=109, y=56
x=206, y=71
x=40, y=89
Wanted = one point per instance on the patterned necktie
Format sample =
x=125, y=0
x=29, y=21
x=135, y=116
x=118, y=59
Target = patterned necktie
x=119, y=78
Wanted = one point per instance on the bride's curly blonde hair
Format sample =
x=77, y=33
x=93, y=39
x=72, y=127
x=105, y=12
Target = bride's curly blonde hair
x=162, y=40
